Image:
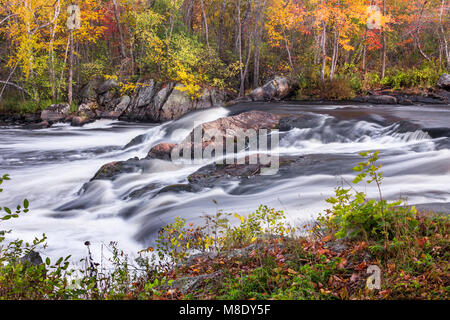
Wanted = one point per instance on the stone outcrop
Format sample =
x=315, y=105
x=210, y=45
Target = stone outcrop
x=228, y=128
x=444, y=81
x=155, y=103
x=56, y=112
x=381, y=99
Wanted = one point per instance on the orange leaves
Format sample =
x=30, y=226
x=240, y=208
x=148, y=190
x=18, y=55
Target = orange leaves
x=361, y=266
x=422, y=241
x=282, y=17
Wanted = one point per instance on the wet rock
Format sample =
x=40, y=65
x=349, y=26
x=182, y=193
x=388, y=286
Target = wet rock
x=437, y=132
x=444, y=81
x=214, y=171
x=276, y=89
x=56, y=112
x=112, y=170
x=405, y=101
x=136, y=194
x=79, y=121
x=31, y=117
x=176, y=188
x=161, y=151
x=381, y=99
x=228, y=127
x=136, y=141
x=40, y=125
x=307, y=120
x=407, y=126
x=33, y=258
x=252, y=181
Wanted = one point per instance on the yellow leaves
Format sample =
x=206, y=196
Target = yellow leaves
x=282, y=15
x=39, y=28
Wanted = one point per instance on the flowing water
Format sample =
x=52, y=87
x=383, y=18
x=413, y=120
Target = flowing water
x=51, y=166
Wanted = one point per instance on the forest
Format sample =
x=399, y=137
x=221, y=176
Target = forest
x=336, y=48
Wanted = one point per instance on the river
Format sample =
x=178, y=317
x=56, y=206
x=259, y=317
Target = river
x=50, y=166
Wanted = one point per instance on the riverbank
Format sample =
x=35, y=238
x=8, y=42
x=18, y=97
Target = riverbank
x=260, y=258
x=153, y=102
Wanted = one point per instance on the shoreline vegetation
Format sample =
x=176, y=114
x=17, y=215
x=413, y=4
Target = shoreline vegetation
x=259, y=257
x=217, y=50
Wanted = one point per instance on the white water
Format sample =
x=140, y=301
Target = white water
x=50, y=166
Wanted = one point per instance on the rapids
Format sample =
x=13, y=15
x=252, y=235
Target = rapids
x=50, y=167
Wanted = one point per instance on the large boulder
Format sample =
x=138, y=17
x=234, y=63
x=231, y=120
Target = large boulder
x=141, y=106
x=161, y=151
x=177, y=104
x=56, y=112
x=444, y=81
x=88, y=92
x=106, y=86
x=229, y=128
x=276, y=89
x=115, y=108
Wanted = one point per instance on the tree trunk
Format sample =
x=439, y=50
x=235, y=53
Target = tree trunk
x=119, y=29
x=205, y=24
x=383, y=54
x=69, y=86
x=324, y=51
x=447, y=53
x=221, y=22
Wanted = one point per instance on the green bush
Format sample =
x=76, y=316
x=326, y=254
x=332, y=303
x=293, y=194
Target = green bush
x=353, y=214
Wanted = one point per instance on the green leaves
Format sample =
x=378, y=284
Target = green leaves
x=353, y=215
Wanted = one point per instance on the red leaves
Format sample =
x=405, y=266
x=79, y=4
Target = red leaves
x=422, y=241
x=361, y=266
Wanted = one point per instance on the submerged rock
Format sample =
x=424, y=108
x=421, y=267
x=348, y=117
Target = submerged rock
x=111, y=170
x=136, y=141
x=39, y=125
